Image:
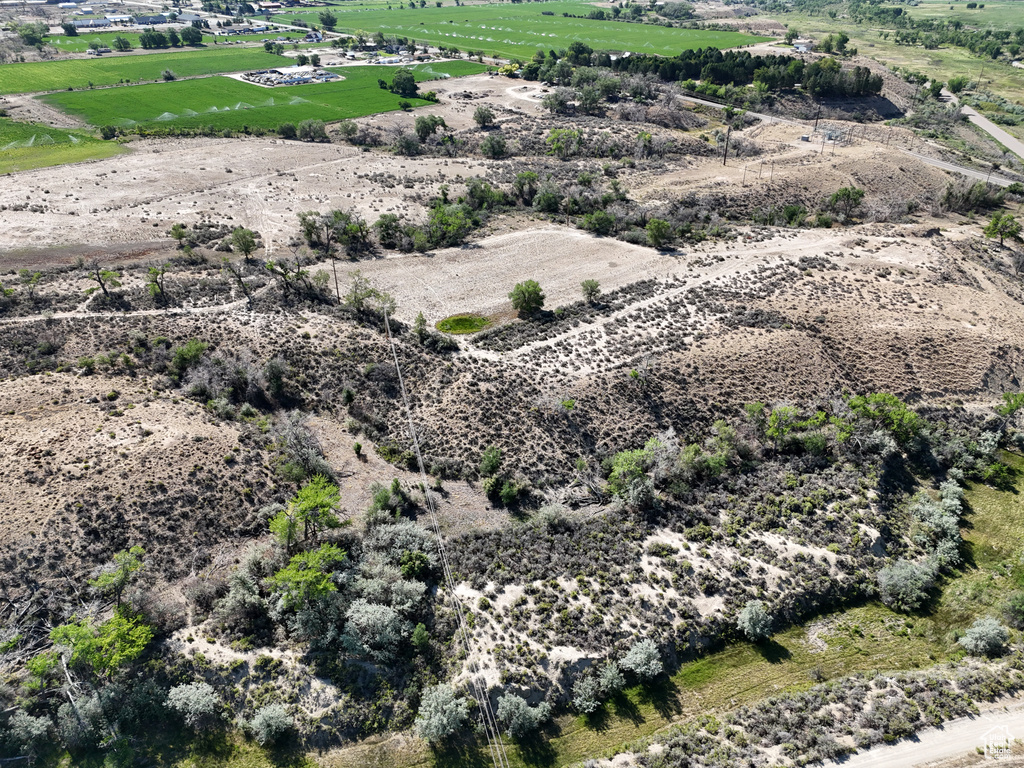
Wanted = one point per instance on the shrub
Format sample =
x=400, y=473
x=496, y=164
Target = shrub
x=904, y=585
x=373, y=630
x=643, y=660
x=287, y=131
x=494, y=146
x=599, y=222
x=197, y=703
x=441, y=713
x=168, y=75
x=986, y=637
x=754, y=621
x=271, y=724
x=490, y=461
x=518, y=718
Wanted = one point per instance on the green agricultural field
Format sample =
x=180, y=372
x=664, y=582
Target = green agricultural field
x=519, y=30
x=1002, y=14
x=78, y=44
x=109, y=69
x=24, y=146
x=224, y=102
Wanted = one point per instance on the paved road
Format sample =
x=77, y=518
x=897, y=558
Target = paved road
x=956, y=738
x=971, y=172
x=1013, y=144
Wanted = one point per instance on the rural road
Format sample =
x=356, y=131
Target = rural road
x=955, y=738
x=974, y=174
x=1013, y=144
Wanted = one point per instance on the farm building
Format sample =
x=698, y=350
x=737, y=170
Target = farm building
x=91, y=23
x=803, y=46
x=188, y=18
x=119, y=19
x=148, y=21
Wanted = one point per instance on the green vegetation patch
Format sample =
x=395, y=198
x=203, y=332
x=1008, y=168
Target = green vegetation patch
x=463, y=324
x=24, y=146
x=519, y=30
x=110, y=70
x=223, y=102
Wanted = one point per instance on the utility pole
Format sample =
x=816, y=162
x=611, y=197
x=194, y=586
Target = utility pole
x=725, y=155
x=816, y=116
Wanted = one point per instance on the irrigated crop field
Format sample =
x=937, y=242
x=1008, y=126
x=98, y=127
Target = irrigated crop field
x=28, y=145
x=521, y=30
x=224, y=102
x=109, y=70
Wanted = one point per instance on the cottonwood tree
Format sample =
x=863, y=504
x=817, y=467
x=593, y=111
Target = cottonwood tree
x=362, y=295
x=483, y=116
x=308, y=576
x=155, y=283
x=591, y=290
x=30, y=280
x=846, y=200
x=235, y=274
x=527, y=297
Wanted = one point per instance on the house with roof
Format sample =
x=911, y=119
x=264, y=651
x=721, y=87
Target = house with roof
x=149, y=21
x=91, y=23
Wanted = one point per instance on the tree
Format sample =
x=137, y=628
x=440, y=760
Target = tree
x=643, y=660
x=586, y=694
x=986, y=637
x=173, y=39
x=191, y=36
x=374, y=630
x=490, y=461
x=525, y=186
x=30, y=280
x=312, y=130
x=179, y=232
x=659, y=232
x=31, y=33
x=155, y=283
x=792, y=33
x=1003, y=225
x=328, y=20
x=197, y=703
x=363, y=296
x=69, y=28
x=591, y=290
x=271, y=723
x=427, y=125
x=104, y=278
x=527, y=297
x=244, y=241
x=168, y=75
x=441, y=713
x=904, y=585
x=754, y=621
x=404, y=84
x=121, y=44
x=846, y=200
x=421, y=637
x=518, y=718
x=308, y=576
x=115, y=577
x=312, y=509
x=483, y=116
x=103, y=648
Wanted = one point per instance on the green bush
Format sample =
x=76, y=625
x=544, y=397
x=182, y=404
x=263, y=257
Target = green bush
x=271, y=724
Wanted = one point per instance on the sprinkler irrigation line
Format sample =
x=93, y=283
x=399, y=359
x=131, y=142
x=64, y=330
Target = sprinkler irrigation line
x=491, y=729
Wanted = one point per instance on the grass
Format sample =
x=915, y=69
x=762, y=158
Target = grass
x=1002, y=14
x=24, y=146
x=109, y=69
x=518, y=31
x=224, y=102
x=458, y=324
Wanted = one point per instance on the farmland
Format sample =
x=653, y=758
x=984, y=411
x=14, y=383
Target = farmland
x=227, y=103
x=27, y=145
x=110, y=70
x=520, y=30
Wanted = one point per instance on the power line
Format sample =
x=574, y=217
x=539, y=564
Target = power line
x=494, y=743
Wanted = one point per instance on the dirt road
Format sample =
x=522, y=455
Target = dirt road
x=955, y=738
